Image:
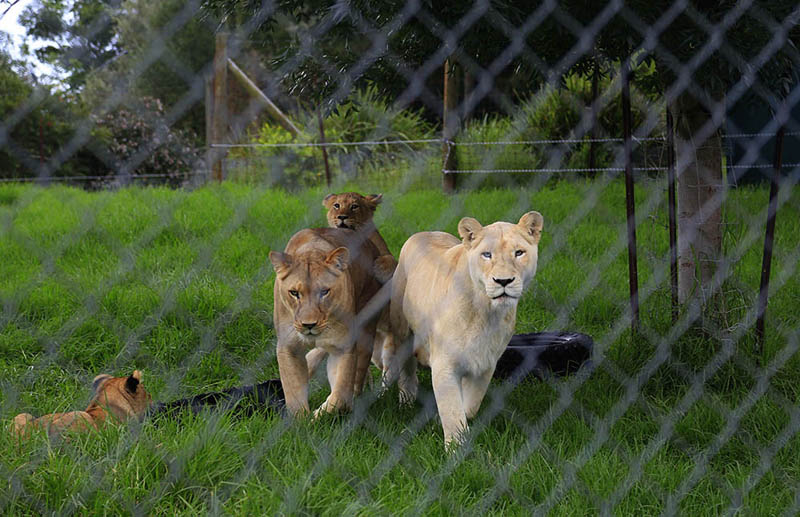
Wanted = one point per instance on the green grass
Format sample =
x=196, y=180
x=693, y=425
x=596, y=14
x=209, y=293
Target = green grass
x=177, y=283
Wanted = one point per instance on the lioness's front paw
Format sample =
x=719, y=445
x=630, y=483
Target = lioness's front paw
x=331, y=406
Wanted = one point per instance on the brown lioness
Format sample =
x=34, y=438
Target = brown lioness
x=324, y=283
x=118, y=398
x=353, y=211
x=454, y=307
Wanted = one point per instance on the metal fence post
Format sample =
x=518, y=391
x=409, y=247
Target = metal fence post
x=672, y=209
x=633, y=277
x=769, y=238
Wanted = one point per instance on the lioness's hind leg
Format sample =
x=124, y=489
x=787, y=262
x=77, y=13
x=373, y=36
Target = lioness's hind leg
x=473, y=389
x=408, y=383
x=314, y=358
x=364, y=346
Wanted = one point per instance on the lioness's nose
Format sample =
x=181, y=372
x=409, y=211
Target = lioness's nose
x=309, y=326
x=503, y=281
x=342, y=217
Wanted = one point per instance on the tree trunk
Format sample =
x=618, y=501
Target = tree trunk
x=698, y=153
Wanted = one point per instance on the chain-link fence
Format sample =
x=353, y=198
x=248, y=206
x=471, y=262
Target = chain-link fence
x=657, y=140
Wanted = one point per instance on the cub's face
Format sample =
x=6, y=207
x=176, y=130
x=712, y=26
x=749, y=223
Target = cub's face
x=122, y=393
x=313, y=288
x=502, y=257
x=350, y=209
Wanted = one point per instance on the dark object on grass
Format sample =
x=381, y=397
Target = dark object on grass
x=543, y=354
x=244, y=399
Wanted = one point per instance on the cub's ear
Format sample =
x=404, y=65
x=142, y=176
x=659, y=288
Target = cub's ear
x=280, y=261
x=532, y=223
x=374, y=200
x=468, y=229
x=338, y=259
x=99, y=380
x=327, y=200
x=132, y=382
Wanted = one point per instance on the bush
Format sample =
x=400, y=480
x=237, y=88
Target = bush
x=139, y=141
x=366, y=116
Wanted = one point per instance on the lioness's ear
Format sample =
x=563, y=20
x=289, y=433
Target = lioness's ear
x=532, y=223
x=99, y=380
x=468, y=229
x=326, y=201
x=280, y=261
x=132, y=382
x=374, y=200
x=338, y=258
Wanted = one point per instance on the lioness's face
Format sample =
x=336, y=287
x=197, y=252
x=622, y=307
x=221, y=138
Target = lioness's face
x=313, y=288
x=502, y=257
x=350, y=209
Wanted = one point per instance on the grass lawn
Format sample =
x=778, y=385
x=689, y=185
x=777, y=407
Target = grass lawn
x=177, y=283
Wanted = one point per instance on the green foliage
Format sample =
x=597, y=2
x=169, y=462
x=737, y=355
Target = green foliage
x=366, y=116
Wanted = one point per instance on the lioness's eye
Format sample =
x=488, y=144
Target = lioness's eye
x=354, y=207
x=294, y=293
x=486, y=255
x=324, y=292
x=336, y=206
x=519, y=253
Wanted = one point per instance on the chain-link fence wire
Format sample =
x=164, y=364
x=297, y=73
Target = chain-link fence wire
x=730, y=336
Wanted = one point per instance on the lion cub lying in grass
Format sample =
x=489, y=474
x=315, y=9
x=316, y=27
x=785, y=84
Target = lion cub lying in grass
x=324, y=283
x=353, y=211
x=454, y=307
x=118, y=398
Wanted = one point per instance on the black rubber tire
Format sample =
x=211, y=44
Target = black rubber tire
x=244, y=399
x=544, y=354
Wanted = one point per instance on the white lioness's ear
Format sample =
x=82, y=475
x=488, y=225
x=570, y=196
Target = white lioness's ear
x=468, y=229
x=532, y=223
x=280, y=261
x=99, y=380
x=338, y=258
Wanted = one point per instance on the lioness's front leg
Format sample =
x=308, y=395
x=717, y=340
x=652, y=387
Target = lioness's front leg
x=364, y=345
x=449, y=403
x=294, y=378
x=341, y=375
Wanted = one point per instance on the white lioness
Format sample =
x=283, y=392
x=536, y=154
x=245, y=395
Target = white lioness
x=454, y=307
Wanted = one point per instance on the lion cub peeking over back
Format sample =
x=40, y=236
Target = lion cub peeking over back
x=119, y=398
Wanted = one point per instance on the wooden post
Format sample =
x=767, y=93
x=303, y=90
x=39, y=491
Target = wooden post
x=220, y=108
x=769, y=239
x=449, y=126
x=633, y=277
x=209, y=118
x=273, y=110
x=672, y=209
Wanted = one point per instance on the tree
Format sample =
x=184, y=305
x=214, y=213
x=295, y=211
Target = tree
x=79, y=35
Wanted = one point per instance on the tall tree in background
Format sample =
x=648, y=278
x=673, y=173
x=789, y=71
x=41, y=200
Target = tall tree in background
x=79, y=35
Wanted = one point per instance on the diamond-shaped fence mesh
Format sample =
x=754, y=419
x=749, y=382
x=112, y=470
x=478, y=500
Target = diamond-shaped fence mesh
x=159, y=151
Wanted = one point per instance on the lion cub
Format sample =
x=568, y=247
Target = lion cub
x=324, y=284
x=454, y=307
x=119, y=398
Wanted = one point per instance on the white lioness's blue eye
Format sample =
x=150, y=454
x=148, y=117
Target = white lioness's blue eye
x=486, y=255
x=519, y=253
x=324, y=292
